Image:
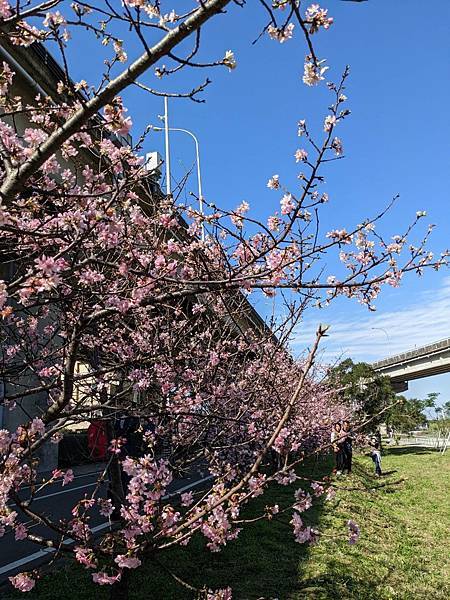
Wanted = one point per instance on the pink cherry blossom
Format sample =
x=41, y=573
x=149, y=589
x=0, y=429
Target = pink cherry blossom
x=22, y=582
x=106, y=507
x=103, y=578
x=281, y=34
x=336, y=144
x=125, y=127
x=3, y=294
x=90, y=277
x=5, y=9
x=85, y=557
x=303, y=501
x=46, y=264
x=287, y=204
x=273, y=223
x=21, y=532
x=340, y=235
x=301, y=155
x=68, y=477
x=317, y=488
x=313, y=73
x=330, y=121
x=116, y=445
x=274, y=182
x=128, y=562
x=223, y=594
x=54, y=19
x=354, y=532
x=317, y=17
x=37, y=427
x=187, y=499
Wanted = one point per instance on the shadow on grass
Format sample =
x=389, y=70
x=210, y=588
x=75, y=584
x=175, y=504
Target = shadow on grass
x=400, y=450
x=328, y=572
x=387, y=473
x=339, y=584
x=266, y=562
x=262, y=563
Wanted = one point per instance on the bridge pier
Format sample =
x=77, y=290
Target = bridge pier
x=399, y=386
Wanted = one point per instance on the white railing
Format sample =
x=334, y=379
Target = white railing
x=440, y=442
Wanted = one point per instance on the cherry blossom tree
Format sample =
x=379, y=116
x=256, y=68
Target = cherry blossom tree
x=112, y=305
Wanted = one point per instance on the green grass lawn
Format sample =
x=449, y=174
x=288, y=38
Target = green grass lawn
x=403, y=552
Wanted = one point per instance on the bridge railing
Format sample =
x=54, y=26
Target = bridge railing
x=416, y=353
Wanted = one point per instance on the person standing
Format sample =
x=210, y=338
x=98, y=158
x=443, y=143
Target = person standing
x=375, y=455
x=347, y=446
x=125, y=427
x=336, y=439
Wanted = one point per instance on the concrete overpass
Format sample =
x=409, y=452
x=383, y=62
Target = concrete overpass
x=425, y=361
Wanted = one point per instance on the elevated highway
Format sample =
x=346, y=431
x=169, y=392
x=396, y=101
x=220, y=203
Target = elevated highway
x=425, y=361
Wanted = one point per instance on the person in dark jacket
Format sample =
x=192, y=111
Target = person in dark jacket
x=127, y=427
x=336, y=439
x=347, y=446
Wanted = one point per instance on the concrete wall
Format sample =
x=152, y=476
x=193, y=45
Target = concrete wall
x=33, y=405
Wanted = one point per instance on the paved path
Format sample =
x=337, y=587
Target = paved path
x=56, y=502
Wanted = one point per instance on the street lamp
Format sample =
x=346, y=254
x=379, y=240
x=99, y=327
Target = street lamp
x=384, y=331
x=197, y=158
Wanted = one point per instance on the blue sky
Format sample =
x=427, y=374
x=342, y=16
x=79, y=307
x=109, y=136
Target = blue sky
x=396, y=141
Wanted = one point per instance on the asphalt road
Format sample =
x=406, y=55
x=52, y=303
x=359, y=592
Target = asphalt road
x=56, y=502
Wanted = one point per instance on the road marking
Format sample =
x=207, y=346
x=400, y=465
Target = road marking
x=36, y=555
x=80, y=487
x=50, y=482
x=67, y=491
x=187, y=487
x=73, y=489
x=25, y=560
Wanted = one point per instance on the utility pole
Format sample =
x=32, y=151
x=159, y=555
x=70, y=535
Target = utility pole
x=197, y=159
x=166, y=132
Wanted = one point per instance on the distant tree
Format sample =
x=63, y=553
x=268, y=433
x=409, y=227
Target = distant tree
x=364, y=389
x=447, y=409
x=407, y=415
x=440, y=416
x=431, y=399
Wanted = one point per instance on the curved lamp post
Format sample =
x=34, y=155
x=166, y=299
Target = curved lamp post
x=197, y=158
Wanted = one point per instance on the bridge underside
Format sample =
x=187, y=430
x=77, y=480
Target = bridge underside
x=399, y=386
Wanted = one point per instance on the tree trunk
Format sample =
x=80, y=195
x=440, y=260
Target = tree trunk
x=119, y=590
x=116, y=491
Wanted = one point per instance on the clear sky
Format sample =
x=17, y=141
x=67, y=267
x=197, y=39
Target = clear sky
x=396, y=141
